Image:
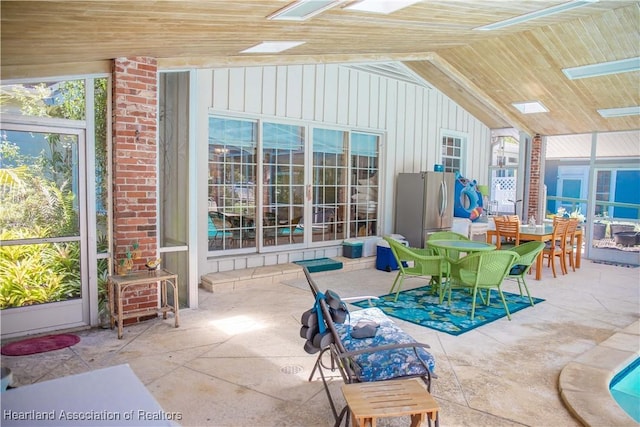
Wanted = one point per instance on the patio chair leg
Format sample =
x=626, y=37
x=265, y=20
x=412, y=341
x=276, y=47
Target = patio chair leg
x=526, y=288
x=346, y=414
x=563, y=264
x=488, y=297
x=399, y=289
x=504, y=302
x=326, y=389
x=473, y=301
x=442, y=288
x=395, y=283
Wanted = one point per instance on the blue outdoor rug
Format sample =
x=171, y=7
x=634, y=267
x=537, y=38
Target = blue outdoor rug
x=420, y=306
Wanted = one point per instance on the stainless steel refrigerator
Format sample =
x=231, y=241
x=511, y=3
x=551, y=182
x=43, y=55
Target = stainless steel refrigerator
x=424, y=204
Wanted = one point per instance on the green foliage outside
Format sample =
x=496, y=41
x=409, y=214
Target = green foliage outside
x=35, y=274
x=37, y=201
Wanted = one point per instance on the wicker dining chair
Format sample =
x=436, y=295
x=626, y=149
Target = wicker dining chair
x=528, y=253
x=482, y=271
x=416, y=262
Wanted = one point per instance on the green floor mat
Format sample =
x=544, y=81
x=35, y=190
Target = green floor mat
x=320, y=264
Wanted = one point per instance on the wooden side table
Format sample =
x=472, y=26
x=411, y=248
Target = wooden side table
x=118, y=284
x=370, y=401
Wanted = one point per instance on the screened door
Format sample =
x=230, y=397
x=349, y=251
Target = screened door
x=43, y=268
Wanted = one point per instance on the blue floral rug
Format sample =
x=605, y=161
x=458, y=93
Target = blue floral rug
x=420, y=306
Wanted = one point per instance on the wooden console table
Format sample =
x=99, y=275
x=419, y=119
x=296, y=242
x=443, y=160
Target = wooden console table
x=118, y=284
x=395, y=398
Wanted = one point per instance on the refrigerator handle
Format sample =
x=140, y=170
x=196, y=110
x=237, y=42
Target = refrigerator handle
x=443, y=198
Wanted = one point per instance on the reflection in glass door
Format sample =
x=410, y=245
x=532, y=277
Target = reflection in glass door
x=283, y=193
x=43, y=280
x=616, y=226
x=330, y=185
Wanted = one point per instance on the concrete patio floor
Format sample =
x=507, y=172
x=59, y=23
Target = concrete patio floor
x=238, y=359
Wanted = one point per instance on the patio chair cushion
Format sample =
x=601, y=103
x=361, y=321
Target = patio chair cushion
x=386, y=364
x=517, y=269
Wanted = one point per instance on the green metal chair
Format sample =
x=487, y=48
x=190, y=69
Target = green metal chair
x=482, y=270
x=415, y=262
x=528, y=253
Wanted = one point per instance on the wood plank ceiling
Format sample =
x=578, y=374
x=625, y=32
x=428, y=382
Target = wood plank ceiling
x=483, y=71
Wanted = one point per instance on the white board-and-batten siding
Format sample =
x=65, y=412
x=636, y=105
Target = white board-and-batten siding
x=410, y=118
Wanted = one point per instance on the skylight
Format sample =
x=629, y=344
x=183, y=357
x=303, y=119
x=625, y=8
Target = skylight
x=380, y=6
x=603, y=68
x=536, y=14
x=619, y=112
x=529, y=107
x=272, y=47
x=301, y=10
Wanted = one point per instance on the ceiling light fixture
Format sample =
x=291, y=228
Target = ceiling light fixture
x=536, y=14
x=603, y=68
x=380, y=6
x=619, y=112
x=529, y=107
x=271, y=47
x=301, y=10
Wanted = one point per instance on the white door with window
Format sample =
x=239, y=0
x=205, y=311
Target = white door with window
x=43, y=244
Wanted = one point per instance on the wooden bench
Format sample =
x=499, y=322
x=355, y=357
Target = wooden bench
x=391, y=354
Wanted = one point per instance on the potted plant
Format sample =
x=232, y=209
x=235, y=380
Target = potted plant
x=136, y=252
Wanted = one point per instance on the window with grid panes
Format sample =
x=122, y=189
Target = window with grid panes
x=452, y=153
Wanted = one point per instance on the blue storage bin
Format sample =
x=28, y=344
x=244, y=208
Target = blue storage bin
x=352, y=249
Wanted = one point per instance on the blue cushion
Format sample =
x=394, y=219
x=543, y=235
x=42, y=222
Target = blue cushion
x=387, y=364
x=517, y=270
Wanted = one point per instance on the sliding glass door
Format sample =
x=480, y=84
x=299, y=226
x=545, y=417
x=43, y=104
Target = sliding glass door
x=314, y=185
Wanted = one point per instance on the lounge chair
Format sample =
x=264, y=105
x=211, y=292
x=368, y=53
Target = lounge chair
x=389, y=354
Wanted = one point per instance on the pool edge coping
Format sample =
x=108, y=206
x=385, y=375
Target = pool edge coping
x=584, y=382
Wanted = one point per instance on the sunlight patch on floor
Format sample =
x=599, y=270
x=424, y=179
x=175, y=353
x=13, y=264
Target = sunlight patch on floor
x=238, y=325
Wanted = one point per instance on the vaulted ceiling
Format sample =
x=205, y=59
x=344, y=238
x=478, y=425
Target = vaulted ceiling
x=483, y=71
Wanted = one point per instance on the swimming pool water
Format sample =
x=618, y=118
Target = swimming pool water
x=625, y=389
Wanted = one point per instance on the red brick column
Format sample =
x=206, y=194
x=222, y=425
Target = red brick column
x=535, y=179
x=135, y=89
